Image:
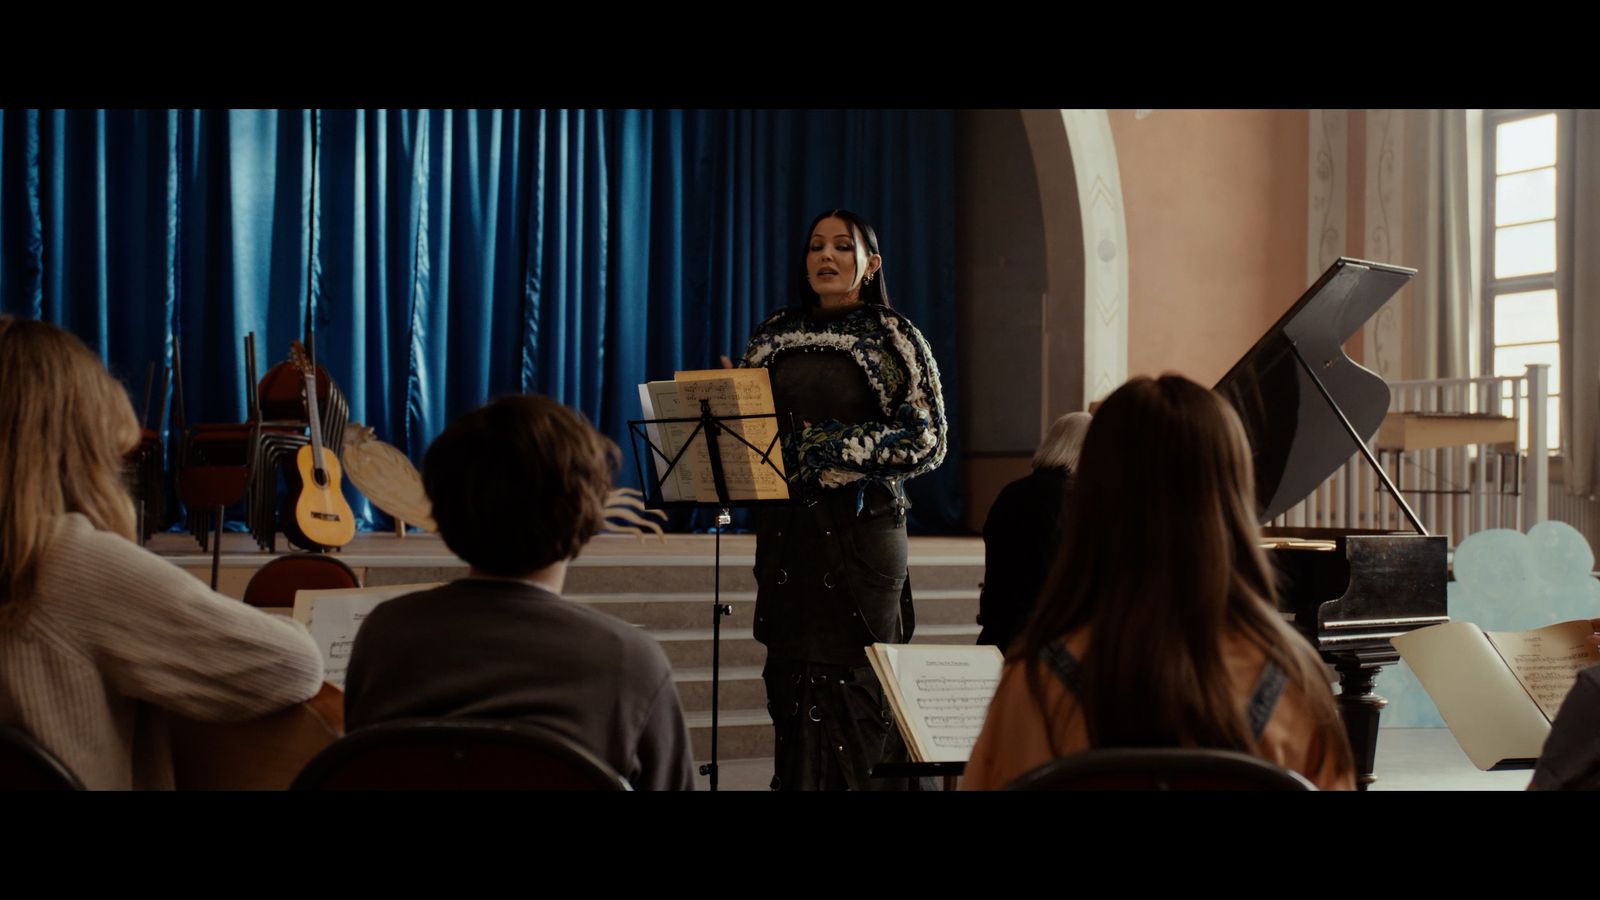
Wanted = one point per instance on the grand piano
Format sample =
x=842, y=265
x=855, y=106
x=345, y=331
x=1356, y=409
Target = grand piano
x=1307, y=407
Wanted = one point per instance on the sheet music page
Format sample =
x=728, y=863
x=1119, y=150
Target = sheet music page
x=1547, y=660
x=740, y=392
x=1486, y=708
x=943, y=692
x=670, y=404
x=334, y=617
x=877, y=656
x=647, y=408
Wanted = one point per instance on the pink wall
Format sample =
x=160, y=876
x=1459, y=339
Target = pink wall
x=1215, y=203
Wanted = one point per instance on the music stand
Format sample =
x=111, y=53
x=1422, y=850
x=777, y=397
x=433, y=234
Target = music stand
x=709, y=426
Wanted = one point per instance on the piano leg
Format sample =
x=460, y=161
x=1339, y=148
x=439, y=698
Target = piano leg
x=1359, y=707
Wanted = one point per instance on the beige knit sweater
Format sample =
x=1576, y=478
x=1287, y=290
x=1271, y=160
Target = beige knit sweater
x=116, y=638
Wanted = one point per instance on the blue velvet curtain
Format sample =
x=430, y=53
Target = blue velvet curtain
x=460, y=254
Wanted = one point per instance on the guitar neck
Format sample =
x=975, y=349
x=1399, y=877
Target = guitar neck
x=315, y=421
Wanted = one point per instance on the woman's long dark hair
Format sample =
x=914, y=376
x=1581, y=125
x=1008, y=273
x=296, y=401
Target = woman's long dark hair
x=875, y=291
x=1160, y=557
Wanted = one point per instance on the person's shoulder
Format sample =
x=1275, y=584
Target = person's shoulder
x=83, y=554
x=888, y=315
x=634, y=641
x=423, y=597
x=784, y=317
x=1018, y=679
x=1023, y=488
x=406, y=609
x=610, y=646
x=1050, y=486
x=638, y=652
x=74, y=532
x=766, y=337
x=1305, y=657
x=595, y=624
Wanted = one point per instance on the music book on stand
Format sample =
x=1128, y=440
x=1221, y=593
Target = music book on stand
x=939, y=693
x=1499, y=690
x=730, y=393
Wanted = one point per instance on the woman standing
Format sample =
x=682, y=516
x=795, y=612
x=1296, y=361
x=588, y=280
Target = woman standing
x=857, y=391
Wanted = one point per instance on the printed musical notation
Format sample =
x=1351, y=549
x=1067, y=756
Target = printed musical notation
x=752, y=460
x=939, y=694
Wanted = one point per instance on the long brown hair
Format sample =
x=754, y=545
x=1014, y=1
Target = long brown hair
x=65, y=425
x=1160, y=558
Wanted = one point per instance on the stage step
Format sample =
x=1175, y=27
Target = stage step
x=693, y=609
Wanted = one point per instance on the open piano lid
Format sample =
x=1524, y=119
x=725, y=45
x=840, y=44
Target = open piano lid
x=1296, y=438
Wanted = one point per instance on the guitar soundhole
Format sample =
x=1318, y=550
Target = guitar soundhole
x=320, y=477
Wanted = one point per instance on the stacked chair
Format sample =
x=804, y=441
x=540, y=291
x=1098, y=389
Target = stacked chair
x=213, y=462
x=221, y=464
x=279, y=434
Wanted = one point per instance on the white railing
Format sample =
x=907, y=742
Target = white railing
x=1454, y=491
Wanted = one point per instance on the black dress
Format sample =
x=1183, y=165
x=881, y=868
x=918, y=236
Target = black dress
x=832, y=578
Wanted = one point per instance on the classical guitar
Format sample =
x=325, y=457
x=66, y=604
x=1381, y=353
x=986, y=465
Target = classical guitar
x=321, y=514
x=259, y=754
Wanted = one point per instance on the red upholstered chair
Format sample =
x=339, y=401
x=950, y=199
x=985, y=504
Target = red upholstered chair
x=213, y=465
x=274, y=584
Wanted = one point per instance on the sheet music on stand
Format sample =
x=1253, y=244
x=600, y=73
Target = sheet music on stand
x=712, y=438
x=939, y=694
x=730, y=411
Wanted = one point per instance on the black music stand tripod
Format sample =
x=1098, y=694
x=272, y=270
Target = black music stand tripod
x=707, y=427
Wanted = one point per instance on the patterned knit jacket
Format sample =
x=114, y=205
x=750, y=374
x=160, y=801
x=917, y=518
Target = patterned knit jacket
x=902, y=373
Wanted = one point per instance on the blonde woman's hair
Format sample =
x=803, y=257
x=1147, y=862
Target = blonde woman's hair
x=1060, y=447
x=65, y=426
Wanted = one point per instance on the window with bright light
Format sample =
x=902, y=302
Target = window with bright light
x=1524, y=169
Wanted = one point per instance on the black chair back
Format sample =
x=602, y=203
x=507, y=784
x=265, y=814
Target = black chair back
x=1161, y=769
x=457, y=755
